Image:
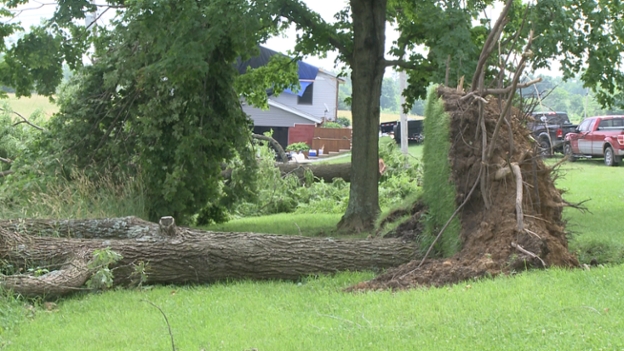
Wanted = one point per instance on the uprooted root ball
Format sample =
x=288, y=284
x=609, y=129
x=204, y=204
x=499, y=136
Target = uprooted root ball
x=487, y=234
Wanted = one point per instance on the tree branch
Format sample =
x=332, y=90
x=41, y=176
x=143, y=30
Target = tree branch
x=506, y=90
x=24, y=119
x=6, y=160
x=401, y=63
x=514, y=84
x=489, y=43
x=278, y=148
x=301, y=15
x=6, y=173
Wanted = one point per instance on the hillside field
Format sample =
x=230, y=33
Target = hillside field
x=385, y=116
x=26, y=106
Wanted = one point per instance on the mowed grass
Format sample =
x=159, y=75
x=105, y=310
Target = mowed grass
x=595, y=233
x=415, y=150
x=283, y=223
x=27, y=106
x=548, y=310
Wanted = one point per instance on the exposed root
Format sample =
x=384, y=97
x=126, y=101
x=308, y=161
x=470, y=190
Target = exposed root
x=519, y=214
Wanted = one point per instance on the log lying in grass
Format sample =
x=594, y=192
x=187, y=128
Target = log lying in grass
x=189, y=256
x=327, y=172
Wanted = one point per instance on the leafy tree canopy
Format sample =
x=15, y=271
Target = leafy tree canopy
x=159, y=99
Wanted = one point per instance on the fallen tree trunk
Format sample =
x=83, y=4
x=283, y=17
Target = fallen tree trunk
x=177, y=256
x=326, y=172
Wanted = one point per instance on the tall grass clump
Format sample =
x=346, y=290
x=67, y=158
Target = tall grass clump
x=77, y=196
x=38, y=183
x=438, y=188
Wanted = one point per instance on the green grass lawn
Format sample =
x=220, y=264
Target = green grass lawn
x=283, y=223
x=548, y=310
x=597, y=232
x=414, y=150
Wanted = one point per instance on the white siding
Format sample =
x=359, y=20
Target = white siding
x=325, y=93
x=274, y=117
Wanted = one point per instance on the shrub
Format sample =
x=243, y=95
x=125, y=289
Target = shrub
x=343, y=121
x=283, y=194
x=334, y=125
x=297, y=147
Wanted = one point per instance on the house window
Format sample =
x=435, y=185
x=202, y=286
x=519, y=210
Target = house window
x=306, y=98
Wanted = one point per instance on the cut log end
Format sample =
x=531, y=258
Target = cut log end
x=167, y=226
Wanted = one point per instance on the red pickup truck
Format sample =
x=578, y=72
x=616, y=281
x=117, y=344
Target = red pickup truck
x=601, y=136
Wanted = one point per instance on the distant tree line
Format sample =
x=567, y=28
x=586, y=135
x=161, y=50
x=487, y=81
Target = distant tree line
x=555, y=94
x=390, y=96
x=552, y=94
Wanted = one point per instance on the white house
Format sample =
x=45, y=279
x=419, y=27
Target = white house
x=293, y=116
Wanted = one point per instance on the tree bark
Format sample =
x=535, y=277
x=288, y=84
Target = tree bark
x=190, y=256
x=276, y=146
x=367, y=69
x=327, y=172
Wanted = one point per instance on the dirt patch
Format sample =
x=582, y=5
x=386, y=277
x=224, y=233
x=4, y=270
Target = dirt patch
x=409, y=229
x=488, y=232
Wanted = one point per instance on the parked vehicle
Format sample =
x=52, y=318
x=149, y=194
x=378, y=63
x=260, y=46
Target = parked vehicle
x=386, y=128
x=415, y=132
x=549, y=130
x=599, y=137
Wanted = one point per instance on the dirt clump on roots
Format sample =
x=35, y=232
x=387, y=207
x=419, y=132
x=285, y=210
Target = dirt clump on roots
x=408, y=230
x=491, y=242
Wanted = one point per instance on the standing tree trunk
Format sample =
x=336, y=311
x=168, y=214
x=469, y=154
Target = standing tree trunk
x=367, y=69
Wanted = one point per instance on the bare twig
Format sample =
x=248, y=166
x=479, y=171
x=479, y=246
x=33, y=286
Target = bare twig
x=24, y=119
x=490, y=43
x=6, y=160
x=527, y=54
x=559, y=163
x=532, y=233
x=509, y=88
x=579, y=206
x=98, y=17
x=6, y=173
x=166, y=321
x=527, y=252
x=538, y=218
